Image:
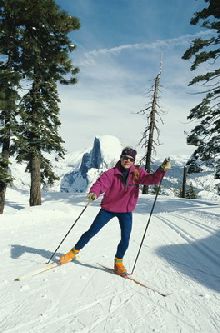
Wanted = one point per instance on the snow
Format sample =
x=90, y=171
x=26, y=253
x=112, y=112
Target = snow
x=180, y=256
x=110, y=148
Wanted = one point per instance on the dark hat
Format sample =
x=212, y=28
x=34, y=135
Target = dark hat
x=129, y=152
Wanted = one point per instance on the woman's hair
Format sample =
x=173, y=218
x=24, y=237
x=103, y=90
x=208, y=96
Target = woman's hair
x=136, y=173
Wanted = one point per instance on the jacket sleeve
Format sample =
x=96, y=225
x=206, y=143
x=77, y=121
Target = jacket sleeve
x=102, y=184
x=151, y=178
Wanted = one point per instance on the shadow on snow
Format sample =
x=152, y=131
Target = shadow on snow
x=19, y=250
x=15, y=205
x=199, y=260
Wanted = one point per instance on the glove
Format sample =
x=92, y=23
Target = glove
x=166, y=165
x=91, y=196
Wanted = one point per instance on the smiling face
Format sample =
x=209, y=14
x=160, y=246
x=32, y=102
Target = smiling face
x=126, y=161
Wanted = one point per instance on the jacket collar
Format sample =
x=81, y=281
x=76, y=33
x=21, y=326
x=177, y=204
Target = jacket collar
x=118, y=168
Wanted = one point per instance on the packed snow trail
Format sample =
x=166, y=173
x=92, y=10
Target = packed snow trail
x=180, y=255
x=133, y=279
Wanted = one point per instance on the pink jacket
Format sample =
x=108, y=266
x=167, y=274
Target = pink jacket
x=120, y=197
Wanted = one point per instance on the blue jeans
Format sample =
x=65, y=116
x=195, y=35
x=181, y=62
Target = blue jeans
x=102, y=218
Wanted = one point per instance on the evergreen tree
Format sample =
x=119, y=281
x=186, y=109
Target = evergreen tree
x=217, y=170
x=206, y=134
x=38, y=133
x=45, y=60
x=9, y=83
x=190, y=193
x=152, y=111
x=8, y=98
x=193, y=165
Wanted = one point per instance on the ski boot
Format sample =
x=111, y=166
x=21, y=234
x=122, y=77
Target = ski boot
x=68, y=256
x=119, y=268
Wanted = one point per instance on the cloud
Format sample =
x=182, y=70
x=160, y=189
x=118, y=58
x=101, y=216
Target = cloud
x=112, y=87
x=158, y=44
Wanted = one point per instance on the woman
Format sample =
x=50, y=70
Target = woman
x=120, y=186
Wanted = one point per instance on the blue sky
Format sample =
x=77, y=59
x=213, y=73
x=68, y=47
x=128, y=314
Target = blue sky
x=119, y=47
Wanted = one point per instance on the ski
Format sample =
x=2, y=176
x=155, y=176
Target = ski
x=45, y=268
x=129, y=277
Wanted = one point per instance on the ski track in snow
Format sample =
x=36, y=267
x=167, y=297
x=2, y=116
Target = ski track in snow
x=180, y=256
x=197, y=223
x=205, y=250
x=202, y=253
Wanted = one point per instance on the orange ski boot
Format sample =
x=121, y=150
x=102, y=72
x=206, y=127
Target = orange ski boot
x=68, y=256
x=119, y=268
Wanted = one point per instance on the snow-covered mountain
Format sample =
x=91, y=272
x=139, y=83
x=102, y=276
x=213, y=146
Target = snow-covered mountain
x=103, y=155
x=80, y=169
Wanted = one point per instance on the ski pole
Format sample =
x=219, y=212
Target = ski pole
x=147, y=225
x=69, y=231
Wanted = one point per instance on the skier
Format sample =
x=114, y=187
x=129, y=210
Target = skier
x=120, y=186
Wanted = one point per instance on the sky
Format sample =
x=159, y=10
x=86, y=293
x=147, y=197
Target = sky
x=120, y=46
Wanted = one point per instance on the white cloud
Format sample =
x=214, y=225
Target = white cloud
x=182, y=40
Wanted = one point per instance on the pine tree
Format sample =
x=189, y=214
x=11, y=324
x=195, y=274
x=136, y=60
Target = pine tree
x=190, y=193
x=193, y=165
x=45, y=60
x=8, y=98
x=206, y=134
x=38, y=133
x=9, y=83
x=152, y=111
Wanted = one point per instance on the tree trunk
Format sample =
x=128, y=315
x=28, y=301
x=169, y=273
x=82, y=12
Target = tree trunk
x=149, y=149
x=151, y=130
x=35, y=191
x=2, y=197
x=183, y=193
x=5, y=158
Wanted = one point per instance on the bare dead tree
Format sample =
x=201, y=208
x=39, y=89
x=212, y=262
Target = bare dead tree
x=153, y=113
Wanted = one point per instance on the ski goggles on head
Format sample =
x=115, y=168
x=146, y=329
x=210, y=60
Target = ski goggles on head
x=126, y=158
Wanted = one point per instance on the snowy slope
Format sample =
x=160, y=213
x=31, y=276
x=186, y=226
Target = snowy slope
x=180, y=256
